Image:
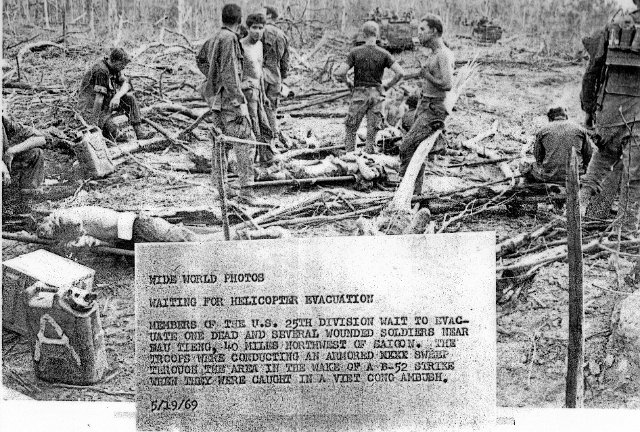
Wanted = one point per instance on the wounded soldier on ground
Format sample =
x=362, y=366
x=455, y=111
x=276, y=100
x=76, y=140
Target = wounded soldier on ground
x=22, y=158
x=105, y=92
x=552, y=148
x=92, y=225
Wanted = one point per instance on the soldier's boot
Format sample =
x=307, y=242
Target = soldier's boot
x=599, y=206
x=142, y=134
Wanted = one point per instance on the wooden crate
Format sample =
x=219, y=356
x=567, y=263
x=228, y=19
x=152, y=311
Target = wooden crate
x=21, y=272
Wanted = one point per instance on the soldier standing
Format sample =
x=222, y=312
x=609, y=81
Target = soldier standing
x=368, y=62
x=437, y=71
x=253, y=82
x=276, y=64
x=610, y=97
x=223, y=91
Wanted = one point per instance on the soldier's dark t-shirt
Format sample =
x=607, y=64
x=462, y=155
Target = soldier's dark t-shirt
x=369, y=63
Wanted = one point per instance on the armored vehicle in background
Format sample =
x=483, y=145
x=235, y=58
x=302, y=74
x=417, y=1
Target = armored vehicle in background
x=396, y=33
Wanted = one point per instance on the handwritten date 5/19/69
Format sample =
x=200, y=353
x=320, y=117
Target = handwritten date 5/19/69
x=173, y=405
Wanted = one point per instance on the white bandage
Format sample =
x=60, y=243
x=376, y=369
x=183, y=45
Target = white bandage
x=125, y=225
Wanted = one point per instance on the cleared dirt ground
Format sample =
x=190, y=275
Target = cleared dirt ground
x=514, y=88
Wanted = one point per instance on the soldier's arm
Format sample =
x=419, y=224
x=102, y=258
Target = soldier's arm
x=6, y=176
x=97, y=108
x=100, y=81
x=538, y=149
x=343, y=69
x=202, y=60
x=595, y=46
x=398, y=75
x=125, y=86
x=29, y=138
x=284, y=59
x=587, y=150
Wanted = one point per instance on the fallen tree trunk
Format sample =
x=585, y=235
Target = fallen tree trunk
x=513, y=243
x=297, y=182
x=402, y=199
x=557, y=253
x=320, y=101
x=319, y=114
x=137, y=146
x=25, y=86
x=472, y=144
x=191, y=113
x=323, y=219
x=282, y=210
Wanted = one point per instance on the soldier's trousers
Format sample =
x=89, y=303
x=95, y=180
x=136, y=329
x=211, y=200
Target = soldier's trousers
x=152, y=229
x=235, y=125
x=272, y=91
x=130, y=107
x=430, y=116
x=619, y=154
x=27, y=169
x=364, y=101
x=259, y=122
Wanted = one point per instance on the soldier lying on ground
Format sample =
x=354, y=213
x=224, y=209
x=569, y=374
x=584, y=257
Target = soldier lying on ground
x=104, y=89
x=368, y=62
x=552, y=149
x=22, y=158
x=91, y=225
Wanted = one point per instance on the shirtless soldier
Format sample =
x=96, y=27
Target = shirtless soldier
x=253, y=82
x=437, y=71
x=368, y=62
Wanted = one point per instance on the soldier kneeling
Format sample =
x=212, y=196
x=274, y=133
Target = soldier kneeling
x=105, y=89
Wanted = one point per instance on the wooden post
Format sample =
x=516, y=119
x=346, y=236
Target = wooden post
x=64, y=26
x=45, y=7
x=575, y=352
x=219, y=160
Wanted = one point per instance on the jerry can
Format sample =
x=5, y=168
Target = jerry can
x=626, y=36
x=635, y=44
x=66, y=335
x=93, y=154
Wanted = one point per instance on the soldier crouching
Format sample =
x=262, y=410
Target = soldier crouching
x=105, y=89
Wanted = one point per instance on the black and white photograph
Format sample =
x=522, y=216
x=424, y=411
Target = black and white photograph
x=345, y=215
